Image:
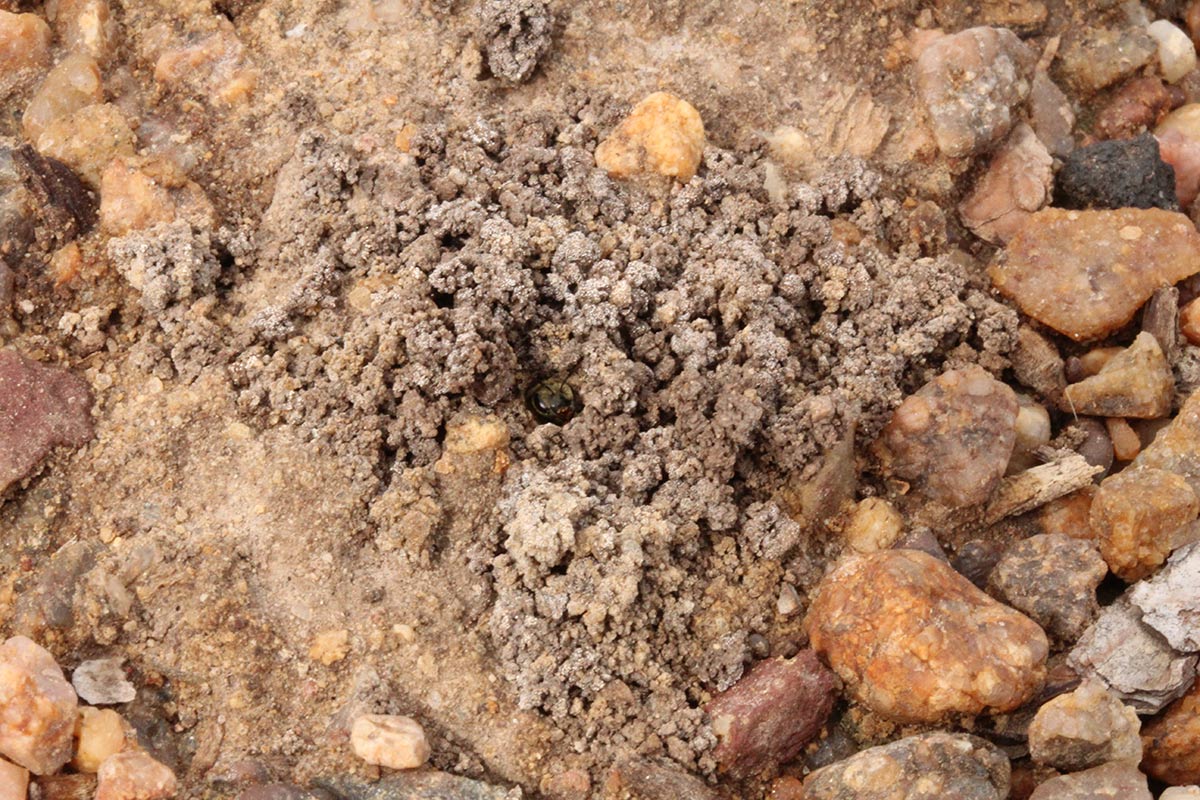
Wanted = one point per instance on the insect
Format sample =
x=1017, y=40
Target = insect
x=553, y=400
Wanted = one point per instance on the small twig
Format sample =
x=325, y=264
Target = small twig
x=1039, y=485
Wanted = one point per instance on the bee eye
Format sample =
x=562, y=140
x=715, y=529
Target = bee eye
x=552, y=401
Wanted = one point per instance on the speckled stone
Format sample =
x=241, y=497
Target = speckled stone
x=969, y=82
x=37, y=707
x=1172, y=741
x=1086, y=273
x=1053, y=579
x=923, y=767
x=870, y=619
x=777, y=708
x=1176, y=448
x=1116, y=781
x=1137, y=516
x=954, y=437
x=1085, y=728
x=1136, y=382
x=1170, y=601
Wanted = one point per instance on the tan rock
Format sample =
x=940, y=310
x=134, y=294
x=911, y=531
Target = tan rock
x=14, y=781
x=389, y=741
x=1134, y=108
x=1134, y=383
x=1172, y=741
x=1069, y=515
x=24, y=50
x=1176, y=448
x=874, y=524
x=1017, y=183
x=1189, y=321
x=214, y=67
x=870, y=619
x=1126, y=444
x=329, y=647
x=37, y=707
x=953, y=439
x=140, y=193
x=663, y=135
x=1119, y=780
x=134, y=775
x=99, y=734
x=83, y=26
x=88, y=140
x=72, y=84
x=1086, y=273
x=1137, y=516
x=1085, y=728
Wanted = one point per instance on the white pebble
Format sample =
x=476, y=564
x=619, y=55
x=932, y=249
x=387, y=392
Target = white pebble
x=389, y=741
x=1180, y=793
x=1176, y=53
x=102, y=682
x=789, y=600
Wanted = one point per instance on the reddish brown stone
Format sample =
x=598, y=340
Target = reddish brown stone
x=1137, y=106
x=771, y=713
x=1172, y=741
x=1137, y=515
x=1086, y=273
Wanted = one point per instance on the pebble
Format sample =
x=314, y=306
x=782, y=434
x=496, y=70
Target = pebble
x=1136, y=107
x=1137, y=382
x=1160, y=318
x=134, y=775
x=1069, y=515
x=635, y=779
x=1176, y=448
x=1181, y=793
x=24, y=50
x=1086, y=273
x=929, y=765
x=768, y=716
x=140, y=193
x=954, y=437
x=99, y=734
x=72, y=84
x=1085, y=728
x=88, y=140
x=1116, y=781
x=1094, y=57
x=389, y=741
x=976, y=559
x=213, y=67
x=1170, y=601
x=1189, y=321
x=663, y=135
x=1051, y=115
x=84, y=26
x=1125, y=441
x=102, y=682
x=1120, y=173
x=1176, y=53
x=14, y=781
x=1053, y=579
x=1178, y=137
x=870, y=620
x=1038, y=365
x=874, y=524
x=1017, y=182
x=1136, y=514
x=1033, y=432
x=1172, y=741
x=1132, y=659
x=37, y=707
x=40, y=408
x=970, y=82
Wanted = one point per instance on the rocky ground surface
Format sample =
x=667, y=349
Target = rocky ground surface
x=512, y=398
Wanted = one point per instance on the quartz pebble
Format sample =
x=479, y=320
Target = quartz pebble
x=1170, y=601
x=1122, y=173
x=918, y=767
x=88, y=140
x=140, y=193
x=1053, y=579
x=870, y=618
x=1176, y=53
x=663, y=135
x=1176, y=448
x=1033, y=432
x=1126, y=444
x=40, y=409
x=1182, y=152
x=1051, y=115
x=1093, y=57
x=83, y=26
x=1137, y=515
x=1136, y=107
x=1116, y=781
x=72, y=84
x=1133, y=660
x=24, y=50
x=99, y=734
x=1085, y=728
x=769, y=715
x=1135, y=383
x=14, y=781
x=969, y=83
x=874, y=524
x=37, y=707
x=389, y=741
x=1017, y=183
x=102, y=681
x=954, y=437
x=134, y=775
x=1181, y=793
x=1086, y=273
x=1069, y=515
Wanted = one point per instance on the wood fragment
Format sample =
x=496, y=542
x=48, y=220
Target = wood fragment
x=1038, y=365
x=1160, y=318
x=1035, y=487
